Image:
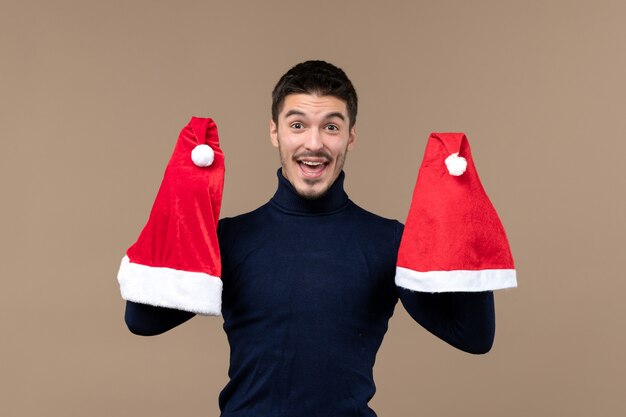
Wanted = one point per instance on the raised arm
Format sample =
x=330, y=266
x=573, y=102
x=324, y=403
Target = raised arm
x=147, y=320
x=454, y=251
x=465, y=320
x=175, y=262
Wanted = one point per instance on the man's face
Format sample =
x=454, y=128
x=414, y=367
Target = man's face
x=312, y=135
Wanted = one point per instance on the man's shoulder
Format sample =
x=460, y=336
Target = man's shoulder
x=373, y=224
x=243, y=220
x=375, y=219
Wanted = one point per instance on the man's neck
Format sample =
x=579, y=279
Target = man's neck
x=289, y=200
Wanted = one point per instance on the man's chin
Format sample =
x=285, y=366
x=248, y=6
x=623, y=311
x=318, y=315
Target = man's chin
x=312, y=190
x=311, y=194
x=312, y=197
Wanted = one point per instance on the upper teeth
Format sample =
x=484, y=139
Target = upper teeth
x=310, y=163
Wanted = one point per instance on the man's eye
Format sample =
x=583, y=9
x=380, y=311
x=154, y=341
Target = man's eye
x=332, y=127
x=297, y=125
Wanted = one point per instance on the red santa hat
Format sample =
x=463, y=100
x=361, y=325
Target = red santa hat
x=453, y=239
x=176, y=260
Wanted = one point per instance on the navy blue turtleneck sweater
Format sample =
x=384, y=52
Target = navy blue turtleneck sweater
x=308, y=293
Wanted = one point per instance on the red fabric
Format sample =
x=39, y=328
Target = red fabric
x=451, y=225
x=181, y=232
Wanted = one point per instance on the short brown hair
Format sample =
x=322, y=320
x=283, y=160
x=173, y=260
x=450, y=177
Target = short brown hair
x=315, y=77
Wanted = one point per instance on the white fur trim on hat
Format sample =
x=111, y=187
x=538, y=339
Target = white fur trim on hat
x=456, y=281
x=196, y=292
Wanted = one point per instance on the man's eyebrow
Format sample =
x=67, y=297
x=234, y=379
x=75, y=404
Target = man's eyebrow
x=294, y=112
x=335, y=114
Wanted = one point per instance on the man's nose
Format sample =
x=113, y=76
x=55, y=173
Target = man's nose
x=314, y=140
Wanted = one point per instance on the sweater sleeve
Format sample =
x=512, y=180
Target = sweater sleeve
x=147, y=320
x=465, y=320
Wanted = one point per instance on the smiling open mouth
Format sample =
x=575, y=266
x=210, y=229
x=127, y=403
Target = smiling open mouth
x=312, y=169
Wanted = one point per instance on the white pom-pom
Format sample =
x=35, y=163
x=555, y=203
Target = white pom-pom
x=202, y=155
x=456, y=164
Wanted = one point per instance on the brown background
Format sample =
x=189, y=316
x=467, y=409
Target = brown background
x=94, y=94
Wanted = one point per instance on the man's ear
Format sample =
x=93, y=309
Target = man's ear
x=352, y=138
x=274, y=133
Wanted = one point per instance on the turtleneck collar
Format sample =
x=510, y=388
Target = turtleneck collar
x=288, y=200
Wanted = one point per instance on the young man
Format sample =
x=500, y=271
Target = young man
x=308, y=278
